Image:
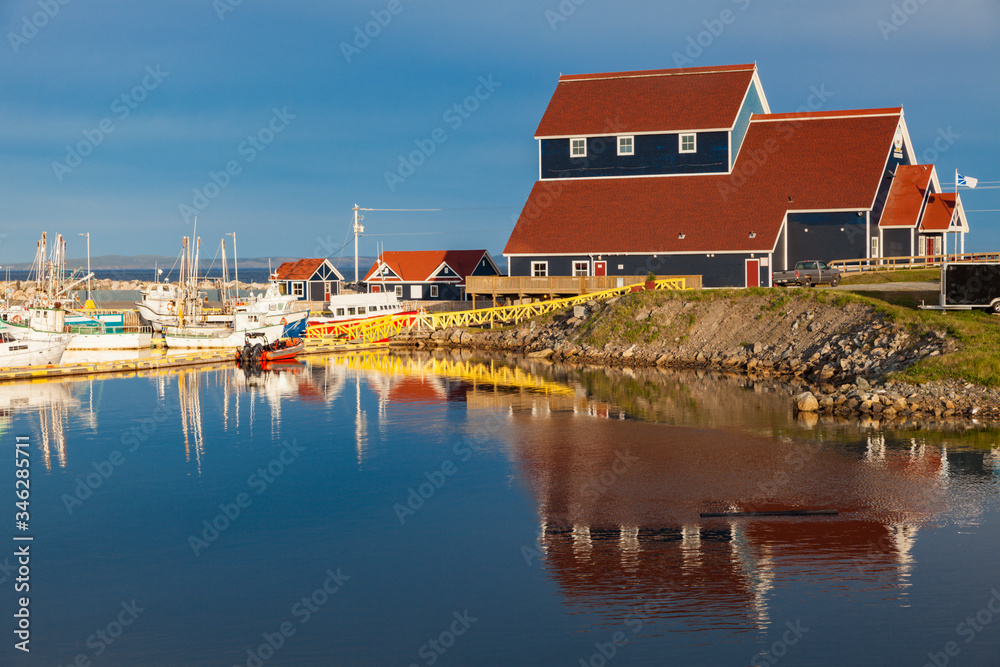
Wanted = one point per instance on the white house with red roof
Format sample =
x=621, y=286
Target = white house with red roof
x=687, y=171
x=428, y=274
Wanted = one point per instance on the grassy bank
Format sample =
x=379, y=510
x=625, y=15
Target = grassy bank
x=978, y=360
x=898, y=276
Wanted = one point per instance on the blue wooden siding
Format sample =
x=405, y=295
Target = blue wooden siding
x=752, y=104
x=654, y=154
x=484, y=268
x=896, y=242
x=728, y=270
x=830, y=236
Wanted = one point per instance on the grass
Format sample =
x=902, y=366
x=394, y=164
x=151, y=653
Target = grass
x=978, y=332
x=900, y=276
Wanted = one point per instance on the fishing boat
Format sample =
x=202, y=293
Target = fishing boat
x=211, y=336
x=15, y=352
x=348, y=309
x=106, y=331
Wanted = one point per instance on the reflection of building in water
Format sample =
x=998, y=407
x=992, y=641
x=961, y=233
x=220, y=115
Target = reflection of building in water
x=619, y=506
x=53, y=403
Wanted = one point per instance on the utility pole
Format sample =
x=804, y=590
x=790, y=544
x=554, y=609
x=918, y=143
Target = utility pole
x=358, y=230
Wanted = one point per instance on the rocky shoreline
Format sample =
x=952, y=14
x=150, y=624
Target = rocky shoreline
x=22, y=290
x=834, y=359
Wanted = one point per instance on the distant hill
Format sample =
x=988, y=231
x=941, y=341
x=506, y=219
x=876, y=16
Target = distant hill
x=134, y=262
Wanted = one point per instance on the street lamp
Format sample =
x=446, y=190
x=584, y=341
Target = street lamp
x=87, y=234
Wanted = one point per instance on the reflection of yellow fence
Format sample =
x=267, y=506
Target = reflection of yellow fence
x=476, y=372
x=380, y=328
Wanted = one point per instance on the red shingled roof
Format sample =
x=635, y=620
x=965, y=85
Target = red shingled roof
x=695, y=98
x=300, y=270
x=940, y=210
x=906, y=196
x=801, y=157
x=419, y=265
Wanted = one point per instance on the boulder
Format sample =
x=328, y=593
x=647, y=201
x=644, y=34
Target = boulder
x=806, y=402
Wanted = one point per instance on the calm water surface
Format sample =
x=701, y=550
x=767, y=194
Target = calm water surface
x=456, y=510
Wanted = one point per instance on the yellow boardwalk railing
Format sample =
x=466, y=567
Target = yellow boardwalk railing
x=380, y=328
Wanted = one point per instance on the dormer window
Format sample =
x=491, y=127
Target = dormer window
x=689, y=143
x=626, y=146
x=578, y=147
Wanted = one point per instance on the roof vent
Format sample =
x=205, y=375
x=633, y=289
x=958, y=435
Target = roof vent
x=681, y=235
x=753, y=235
x=789, y=199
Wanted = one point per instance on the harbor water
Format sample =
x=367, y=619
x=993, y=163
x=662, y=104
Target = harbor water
x=459, y=509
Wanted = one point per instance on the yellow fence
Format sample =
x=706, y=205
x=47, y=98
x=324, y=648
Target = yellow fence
x=387, y=326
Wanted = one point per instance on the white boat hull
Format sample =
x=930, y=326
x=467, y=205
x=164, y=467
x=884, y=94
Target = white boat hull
x=32, y=352
x=111, y=341
x=193, y=339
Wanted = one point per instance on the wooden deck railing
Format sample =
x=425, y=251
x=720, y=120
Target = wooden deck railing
x=552, y=285
x=909, y=262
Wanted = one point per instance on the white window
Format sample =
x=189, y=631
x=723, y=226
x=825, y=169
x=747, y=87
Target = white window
x=621, y=267
x=539, y=269
x=626, y=146
x=434, y=291
x=875, y=247
x=298, y=289
x=399, y=291
x=581, y=268
x=688, y=143
x=578, y=147
x=340, y=312
x=416, y=292
x=351, y=311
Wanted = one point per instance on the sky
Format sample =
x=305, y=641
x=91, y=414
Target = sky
x=124, y=120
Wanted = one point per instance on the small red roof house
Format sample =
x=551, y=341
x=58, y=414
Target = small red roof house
x=309, y=279
x=688, y=172
x=428, y=274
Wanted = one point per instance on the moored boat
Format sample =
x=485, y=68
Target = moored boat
x=15, y=352
x=349, y=309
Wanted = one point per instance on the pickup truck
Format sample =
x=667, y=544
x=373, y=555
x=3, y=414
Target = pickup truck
x=808, y=274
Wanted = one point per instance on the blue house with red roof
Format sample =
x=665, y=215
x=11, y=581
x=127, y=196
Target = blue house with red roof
x=687, y=171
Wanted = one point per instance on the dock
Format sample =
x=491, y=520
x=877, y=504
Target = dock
x=163, y=361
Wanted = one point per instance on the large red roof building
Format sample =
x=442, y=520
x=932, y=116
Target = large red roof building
x=687, y=171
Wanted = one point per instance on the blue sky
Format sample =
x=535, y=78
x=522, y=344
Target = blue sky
x=164, y=94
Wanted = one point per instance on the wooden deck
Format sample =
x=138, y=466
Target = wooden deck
x=555, y=286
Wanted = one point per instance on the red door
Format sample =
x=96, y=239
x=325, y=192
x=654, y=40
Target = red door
x=600, y=268
x=326, y=291
x=753, y=272
x=376, y=288
x=930, y=246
